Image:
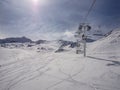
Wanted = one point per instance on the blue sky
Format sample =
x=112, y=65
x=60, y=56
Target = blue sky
x=54, y=19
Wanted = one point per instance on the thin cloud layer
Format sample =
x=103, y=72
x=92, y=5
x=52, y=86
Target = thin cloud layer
x=51, y=19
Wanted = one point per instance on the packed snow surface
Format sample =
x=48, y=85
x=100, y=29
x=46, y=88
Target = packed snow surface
x=40, y=68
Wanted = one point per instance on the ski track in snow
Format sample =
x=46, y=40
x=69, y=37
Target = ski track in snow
x=100, y=70
x=19, y=71
x=24, y=70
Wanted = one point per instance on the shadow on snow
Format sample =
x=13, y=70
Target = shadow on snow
x=113, y=62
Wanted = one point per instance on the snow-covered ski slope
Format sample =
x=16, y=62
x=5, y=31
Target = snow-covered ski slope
x=37, y=68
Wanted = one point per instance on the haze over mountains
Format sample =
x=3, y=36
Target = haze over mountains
x=91, y=37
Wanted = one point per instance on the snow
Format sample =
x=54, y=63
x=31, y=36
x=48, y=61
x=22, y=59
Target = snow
x=33, y=68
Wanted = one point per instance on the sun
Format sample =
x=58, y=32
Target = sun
x=40, y=2
x=35, y=1
x=36, y=5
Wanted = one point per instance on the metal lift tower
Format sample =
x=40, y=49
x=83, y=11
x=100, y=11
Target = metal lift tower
x=81, y=38
x=81, y=33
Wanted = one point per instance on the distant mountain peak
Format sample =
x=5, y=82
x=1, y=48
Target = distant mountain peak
x=16, y=40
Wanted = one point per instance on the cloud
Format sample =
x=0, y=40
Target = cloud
x=54, y=20
x=68, y=34
x=2, y=35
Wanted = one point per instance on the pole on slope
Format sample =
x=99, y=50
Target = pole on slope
x=84, y=39
x=86, y=28
x=81, y=38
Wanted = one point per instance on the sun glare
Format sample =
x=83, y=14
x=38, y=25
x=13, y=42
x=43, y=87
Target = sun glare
x=37, y=4
x=41, y=2
x=35, y=1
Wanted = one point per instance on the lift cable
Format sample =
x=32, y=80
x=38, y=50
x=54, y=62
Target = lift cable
x=90, y=9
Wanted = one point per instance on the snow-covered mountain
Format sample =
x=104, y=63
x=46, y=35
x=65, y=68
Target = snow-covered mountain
x=111, y=42
x=15, y=40
x=37, y=66
x=24, y=42
x=41, y=41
